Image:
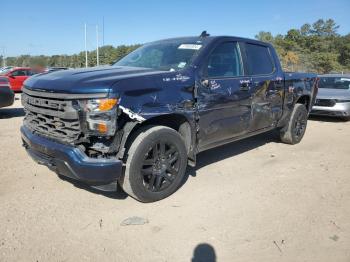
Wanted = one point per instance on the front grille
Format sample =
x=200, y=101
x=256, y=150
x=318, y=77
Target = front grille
x=53, y=118
x=325, y=102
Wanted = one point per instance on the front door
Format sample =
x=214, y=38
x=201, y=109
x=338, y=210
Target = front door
x=223, y=96
x=17, y=78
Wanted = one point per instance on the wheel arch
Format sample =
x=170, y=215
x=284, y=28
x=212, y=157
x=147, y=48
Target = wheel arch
x=176, y=121
x=305, y=100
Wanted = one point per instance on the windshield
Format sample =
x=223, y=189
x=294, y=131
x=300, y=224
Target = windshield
x=335, y=82
x=164, y=56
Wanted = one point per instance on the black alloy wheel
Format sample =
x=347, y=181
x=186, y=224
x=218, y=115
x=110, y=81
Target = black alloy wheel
x=155, y=165
x=160, y=166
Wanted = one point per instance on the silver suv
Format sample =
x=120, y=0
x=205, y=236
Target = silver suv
x=333, y=98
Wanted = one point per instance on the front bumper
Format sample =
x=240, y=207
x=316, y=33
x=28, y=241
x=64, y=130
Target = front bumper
x=70, y=161
x=339, y=109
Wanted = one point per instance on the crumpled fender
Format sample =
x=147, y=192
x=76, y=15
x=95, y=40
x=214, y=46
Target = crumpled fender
x=144, y=97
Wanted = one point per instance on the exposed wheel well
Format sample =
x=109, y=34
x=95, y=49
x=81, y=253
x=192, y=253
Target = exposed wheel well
x=175, y=121
x=305, y=100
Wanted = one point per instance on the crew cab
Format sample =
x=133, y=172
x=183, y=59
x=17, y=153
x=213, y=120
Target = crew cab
x=17, y=75
x=141, y=121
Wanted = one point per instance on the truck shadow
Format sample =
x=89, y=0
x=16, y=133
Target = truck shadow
x=230, y=150
x=118, y=194
x=6, y=113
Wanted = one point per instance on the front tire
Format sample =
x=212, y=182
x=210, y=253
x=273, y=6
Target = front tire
x=295, y=129
x=156, y=164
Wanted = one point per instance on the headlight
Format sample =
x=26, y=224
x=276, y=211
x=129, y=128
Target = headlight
x=100, y=115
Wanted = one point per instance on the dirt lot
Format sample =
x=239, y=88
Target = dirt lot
x=255, y=200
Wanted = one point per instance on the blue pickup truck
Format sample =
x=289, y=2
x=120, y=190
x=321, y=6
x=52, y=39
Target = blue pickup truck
x=141, y=121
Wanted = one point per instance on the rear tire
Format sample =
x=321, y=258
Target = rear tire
x=156, y=164
x=294, y=131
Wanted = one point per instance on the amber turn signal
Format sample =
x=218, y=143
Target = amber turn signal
x=107, y=104
x=102, y=128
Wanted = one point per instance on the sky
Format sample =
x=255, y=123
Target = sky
x=57, y=27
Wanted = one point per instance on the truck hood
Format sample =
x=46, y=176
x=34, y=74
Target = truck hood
x=332, y=93
x=84, y=81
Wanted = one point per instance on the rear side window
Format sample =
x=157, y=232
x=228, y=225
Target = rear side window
x=225, y=61
x=259, y=60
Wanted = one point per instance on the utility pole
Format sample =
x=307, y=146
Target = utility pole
x=97, y=47
x=103, y=38
x=3, y=57
x=86, y=53
x=103, y=31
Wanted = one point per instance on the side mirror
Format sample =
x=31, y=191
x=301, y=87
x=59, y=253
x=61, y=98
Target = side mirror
x=11, y=76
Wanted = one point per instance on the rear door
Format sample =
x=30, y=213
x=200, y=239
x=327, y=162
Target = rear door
x=223, y=96
x=267, y=85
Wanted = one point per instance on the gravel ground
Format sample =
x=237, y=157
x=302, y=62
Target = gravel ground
x=254, y=200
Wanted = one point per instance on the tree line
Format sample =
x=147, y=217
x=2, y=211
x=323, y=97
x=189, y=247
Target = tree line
x=107, y=55
x=313, y=47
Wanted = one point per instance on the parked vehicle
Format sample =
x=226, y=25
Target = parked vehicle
x=5, y=69
x=333, y=98
x=7, y=96
x=17, y=76
x=142, y=120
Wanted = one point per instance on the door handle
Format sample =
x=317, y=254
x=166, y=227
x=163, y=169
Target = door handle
x=245, y=85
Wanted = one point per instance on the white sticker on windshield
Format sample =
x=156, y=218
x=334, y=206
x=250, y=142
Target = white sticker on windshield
x=190, y=46
x=344, y=79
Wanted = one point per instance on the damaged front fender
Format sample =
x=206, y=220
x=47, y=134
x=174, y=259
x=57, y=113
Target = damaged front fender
x=132, y=115
x=164, y=100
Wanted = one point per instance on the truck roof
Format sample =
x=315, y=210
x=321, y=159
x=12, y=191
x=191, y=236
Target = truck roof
x=210, y=39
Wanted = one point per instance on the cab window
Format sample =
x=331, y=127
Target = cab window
x=19, y=73
x=225, y=61
x=259, y=59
